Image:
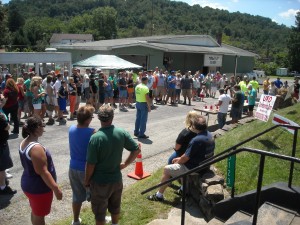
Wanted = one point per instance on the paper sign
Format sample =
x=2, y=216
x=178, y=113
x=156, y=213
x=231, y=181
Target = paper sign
x=265, y=107
x=213, y=60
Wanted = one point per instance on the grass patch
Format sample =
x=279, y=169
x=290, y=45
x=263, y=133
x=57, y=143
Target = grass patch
x=136, y=209
x=278, y=141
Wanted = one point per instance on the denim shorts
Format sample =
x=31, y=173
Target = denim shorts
x=77, y=184
x=109, y=94
x=123, y=94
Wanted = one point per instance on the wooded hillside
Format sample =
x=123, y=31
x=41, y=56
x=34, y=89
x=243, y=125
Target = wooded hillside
x=29, y=24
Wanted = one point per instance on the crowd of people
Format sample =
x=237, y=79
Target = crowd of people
x=96, y=156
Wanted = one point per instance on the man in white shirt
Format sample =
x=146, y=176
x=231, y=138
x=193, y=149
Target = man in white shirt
x=223, y=103
x=86, y=84
x=150, y=84
x=56, y=87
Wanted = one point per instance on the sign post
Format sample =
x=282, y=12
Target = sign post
x=231, y=171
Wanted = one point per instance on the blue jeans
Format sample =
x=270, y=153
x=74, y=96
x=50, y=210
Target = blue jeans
x=221, y=119
x=141, y=118
x=173, y=156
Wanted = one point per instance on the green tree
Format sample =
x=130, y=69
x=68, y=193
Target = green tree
x=3, y=26
x=15, y=18
x=294, y=46
x=104, y=22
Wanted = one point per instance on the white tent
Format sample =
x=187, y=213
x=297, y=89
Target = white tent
x=108, y=62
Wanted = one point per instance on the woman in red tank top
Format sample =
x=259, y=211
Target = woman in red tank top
x=21, y=94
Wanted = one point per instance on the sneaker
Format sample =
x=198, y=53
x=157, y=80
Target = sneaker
x=77, y=222
x=7, y=191
x=8, y=175
x=178, y=192
x=155, y=198
x=144, y=136
x=136, y=135
x=107, y=219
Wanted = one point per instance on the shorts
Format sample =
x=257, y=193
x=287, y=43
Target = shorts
x=62, y=102
x=28, y=104
x=87, y=93
x=55, y=101
x=187, y=93
x=160, y=91
x=116, y=93
x=251, y=107
x=37, y=106
x=123, y=94
x=235, y=113
x=178, y=91
x=171, y=92
x=40, y=203
x=150, y=93
x=176, y=169
x=5, y=158
x=106, y=196
x=130, y=90
x=213, y=89
x=109, y=94
x=101, y=98
x=78, y=99
x=21, y=104
x=77, y=184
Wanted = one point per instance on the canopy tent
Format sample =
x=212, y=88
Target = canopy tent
x=106, y=62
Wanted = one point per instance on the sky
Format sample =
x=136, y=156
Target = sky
x=280, y=11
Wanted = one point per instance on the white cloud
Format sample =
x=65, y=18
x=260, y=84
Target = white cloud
x=214, y=5
x=289, y=13
x=274, y=20
x=236, y=1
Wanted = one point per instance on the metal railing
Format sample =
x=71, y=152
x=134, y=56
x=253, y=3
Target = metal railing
x=233, y=151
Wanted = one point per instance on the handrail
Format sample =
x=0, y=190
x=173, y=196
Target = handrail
x=233, y=151
x=206, y=164
x=255, y=136
x=212, y=161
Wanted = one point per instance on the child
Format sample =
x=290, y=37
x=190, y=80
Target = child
x=62, y=102
x=202, y=93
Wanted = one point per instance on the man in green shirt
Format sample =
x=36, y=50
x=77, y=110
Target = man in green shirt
x=28, y=94
x=255, y=84
x=104, y=165
x=143, y=106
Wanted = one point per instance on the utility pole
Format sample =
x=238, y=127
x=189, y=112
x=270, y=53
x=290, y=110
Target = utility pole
x=152, y=25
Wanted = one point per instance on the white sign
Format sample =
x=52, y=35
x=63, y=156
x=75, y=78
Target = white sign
x=282, y=120
x=265, y=107
x=213, y=60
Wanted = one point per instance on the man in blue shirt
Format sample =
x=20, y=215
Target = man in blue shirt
x=251, y=99
x=171, y=87
x=278, y=83
x=200, y=148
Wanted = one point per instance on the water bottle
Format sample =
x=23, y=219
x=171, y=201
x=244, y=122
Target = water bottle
x=88, y=194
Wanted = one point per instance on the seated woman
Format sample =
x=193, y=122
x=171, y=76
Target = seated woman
x=185, y=136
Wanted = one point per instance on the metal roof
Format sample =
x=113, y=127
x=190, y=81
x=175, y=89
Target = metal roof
x=56, y=38
x=161, y=43
x=34, y=57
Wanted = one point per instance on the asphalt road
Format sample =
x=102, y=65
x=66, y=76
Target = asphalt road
x=164, y=124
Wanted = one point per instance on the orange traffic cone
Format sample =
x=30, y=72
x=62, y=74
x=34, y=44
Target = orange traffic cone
x=139, y=173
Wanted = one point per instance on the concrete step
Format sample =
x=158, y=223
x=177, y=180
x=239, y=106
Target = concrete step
x=296, y=220
x=215, y=221
x=272, y=214
x=193, y=216
x=239, y=218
